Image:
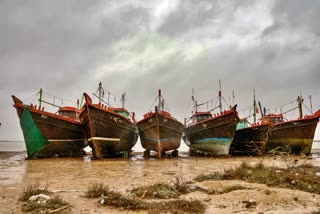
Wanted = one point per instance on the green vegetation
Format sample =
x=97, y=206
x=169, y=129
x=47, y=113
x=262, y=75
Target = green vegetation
x=226, y=190
x=33, y=189
x=300, y=177
x=159, y=190
x=177, y=207
x=96, y=190
x=134, y=200
x=124, y=202
x=41, y=204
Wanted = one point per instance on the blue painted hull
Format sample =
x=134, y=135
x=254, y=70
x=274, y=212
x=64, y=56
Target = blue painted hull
x=218, y=146
x=213, y=135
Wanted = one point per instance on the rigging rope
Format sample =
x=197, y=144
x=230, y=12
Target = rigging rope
x=153, y=103
x=32, y=96
x=62, y=99
x=185, y=115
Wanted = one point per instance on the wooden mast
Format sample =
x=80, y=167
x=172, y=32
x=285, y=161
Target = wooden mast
x=220, y=103
x=159, y=100
x=100, y=89
x=40, y=98
x=254, y=107
x=300, y=101
x=123, y=100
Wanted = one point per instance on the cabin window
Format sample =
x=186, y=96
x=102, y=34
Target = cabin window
x=70, y=114
x=202, y=117
x=277, y=120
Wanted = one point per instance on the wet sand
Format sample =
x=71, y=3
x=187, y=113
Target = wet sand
x=70, y=178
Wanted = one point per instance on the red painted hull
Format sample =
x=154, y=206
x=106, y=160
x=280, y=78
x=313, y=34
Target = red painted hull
x=160, y=133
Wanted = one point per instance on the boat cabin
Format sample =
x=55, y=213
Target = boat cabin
x=243, y=123
x=273, y=118
x=200, y=116
x=123, y=112
x=70, y=112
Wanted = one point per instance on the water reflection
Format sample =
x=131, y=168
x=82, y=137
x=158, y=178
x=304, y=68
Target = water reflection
x=12, y=167
x=70, y=173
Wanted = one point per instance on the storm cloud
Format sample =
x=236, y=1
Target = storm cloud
x=178, y=46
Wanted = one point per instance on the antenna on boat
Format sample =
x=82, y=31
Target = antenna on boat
x=262, y=112
x=310, y=99
x=195, y=104
x=220, y=103
x=123, y=99
x=233, y=97
x=101, y=92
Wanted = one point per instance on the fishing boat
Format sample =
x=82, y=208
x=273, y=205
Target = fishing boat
x=251, y=138
x=110, y=131
x=293, y=136
x=159, y=131
x=210, y=133
x=49, y=134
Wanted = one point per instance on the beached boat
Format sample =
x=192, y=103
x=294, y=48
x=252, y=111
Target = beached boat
x=110, y=131
x=251, y=139
x=210, y=133
x=49, y=134
x=159, y=131
x=294, y=136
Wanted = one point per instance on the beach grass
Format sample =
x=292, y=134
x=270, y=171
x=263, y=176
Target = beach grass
x=134, y=200
x=41, y=205
x=96, y=190
x=156, y=191
x=300, y=177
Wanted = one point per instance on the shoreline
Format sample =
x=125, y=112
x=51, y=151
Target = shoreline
x=70, y=177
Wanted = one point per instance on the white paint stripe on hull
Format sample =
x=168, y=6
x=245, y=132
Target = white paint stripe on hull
x=65, y=140
x=104, y=138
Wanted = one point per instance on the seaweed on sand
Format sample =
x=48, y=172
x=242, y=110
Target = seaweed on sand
x=47, y=203
x=300, y=177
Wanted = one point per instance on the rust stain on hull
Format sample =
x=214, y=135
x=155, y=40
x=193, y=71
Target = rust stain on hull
x=250, y=140
x=160, y=133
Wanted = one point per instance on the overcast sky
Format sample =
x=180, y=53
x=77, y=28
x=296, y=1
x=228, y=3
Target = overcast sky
x=138, y=47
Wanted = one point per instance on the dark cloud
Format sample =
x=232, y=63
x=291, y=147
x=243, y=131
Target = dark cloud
x=68, y=47
x=58, y=40
x=298, y=14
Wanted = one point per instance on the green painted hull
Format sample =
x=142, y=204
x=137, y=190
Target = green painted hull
x=33, y=137
x=47, y=136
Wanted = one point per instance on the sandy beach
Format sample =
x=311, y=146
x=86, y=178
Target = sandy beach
x=70, y=178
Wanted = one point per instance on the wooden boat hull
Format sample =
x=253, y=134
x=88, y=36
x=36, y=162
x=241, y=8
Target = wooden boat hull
x=108, y=134
x=250, y=140
x=159, y=133
x=46, y=135
x=213, y=135
x=293, y=136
